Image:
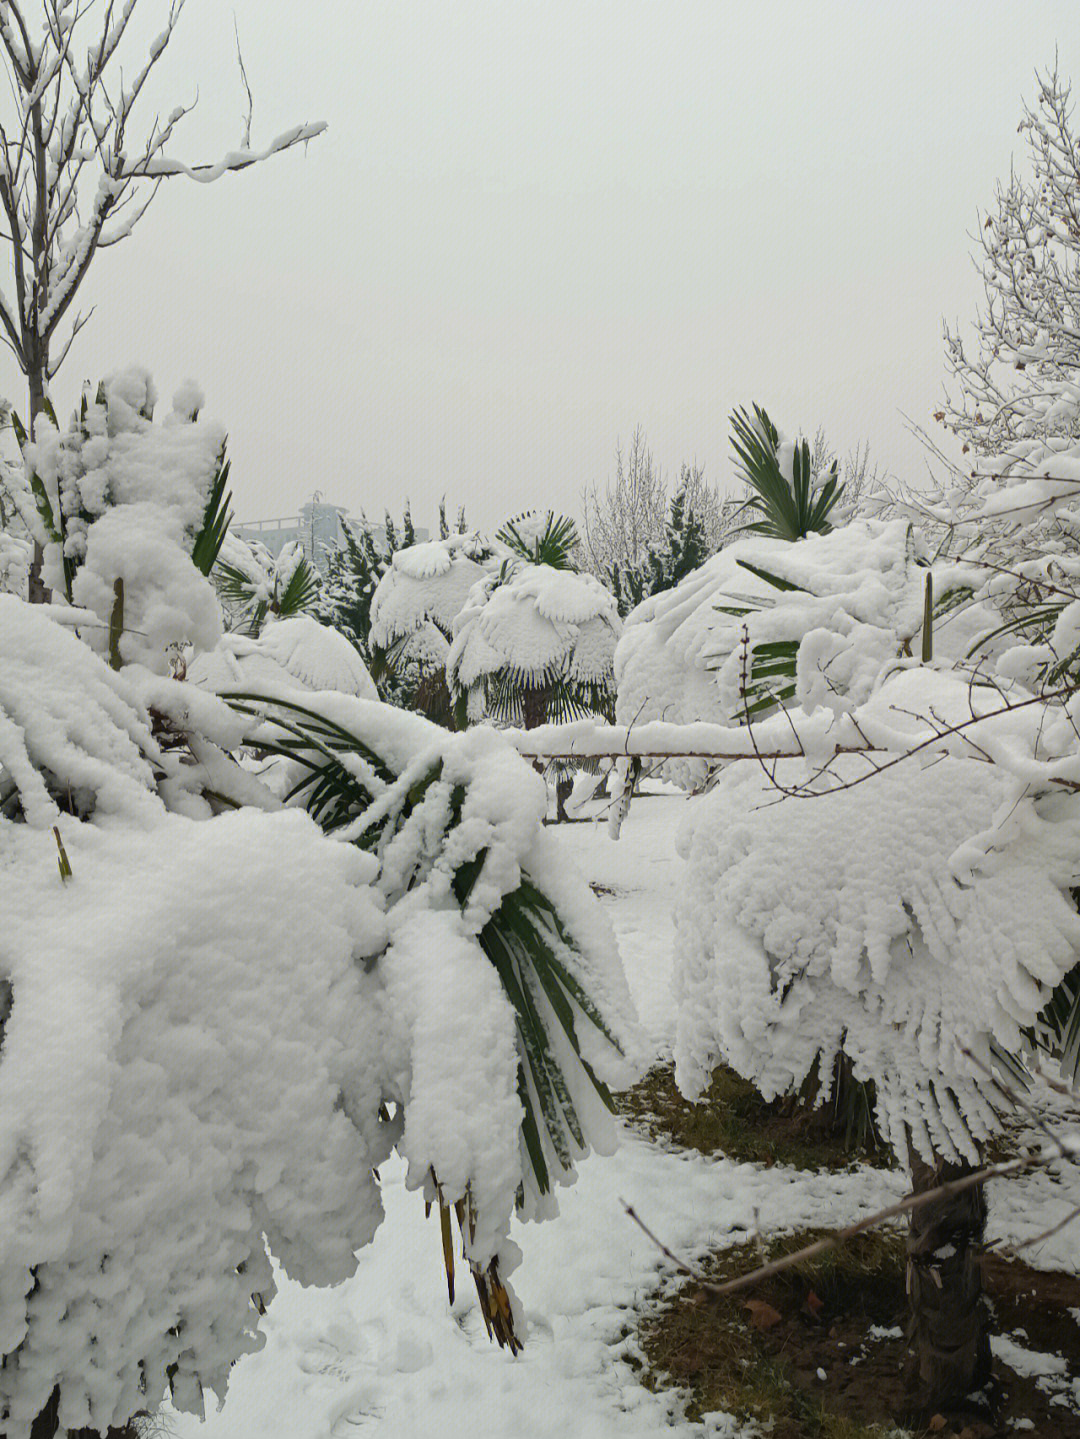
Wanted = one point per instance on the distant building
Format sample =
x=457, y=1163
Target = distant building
x=319, y=527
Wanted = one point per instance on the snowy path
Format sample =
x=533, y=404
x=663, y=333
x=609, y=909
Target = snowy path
x=383, y=1353
x=384, y=1350
x=637, y=876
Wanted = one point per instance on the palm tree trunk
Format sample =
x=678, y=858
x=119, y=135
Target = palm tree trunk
x=951, y=1339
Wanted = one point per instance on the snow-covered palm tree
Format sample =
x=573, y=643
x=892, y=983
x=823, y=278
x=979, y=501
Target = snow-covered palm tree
x=920, y=922
x=535, y=641
x=413, y=611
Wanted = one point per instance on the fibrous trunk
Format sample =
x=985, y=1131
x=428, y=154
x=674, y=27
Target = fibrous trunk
x=944, y=1278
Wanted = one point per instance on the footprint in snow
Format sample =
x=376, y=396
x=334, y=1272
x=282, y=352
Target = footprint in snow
x=354, y=1413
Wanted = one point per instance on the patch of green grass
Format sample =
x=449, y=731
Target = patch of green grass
x=732, y=1118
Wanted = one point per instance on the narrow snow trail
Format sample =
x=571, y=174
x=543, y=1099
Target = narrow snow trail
x=636, y=877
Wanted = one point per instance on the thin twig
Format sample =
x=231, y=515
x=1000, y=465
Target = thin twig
x=839, y=1236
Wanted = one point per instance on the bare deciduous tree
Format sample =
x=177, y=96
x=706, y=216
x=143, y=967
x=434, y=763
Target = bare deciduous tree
x=78, y=170
x=1027, y=345
x=621, y=523
x=627, y=520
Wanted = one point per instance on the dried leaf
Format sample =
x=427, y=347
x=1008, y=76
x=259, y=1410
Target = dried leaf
x=762, y=1315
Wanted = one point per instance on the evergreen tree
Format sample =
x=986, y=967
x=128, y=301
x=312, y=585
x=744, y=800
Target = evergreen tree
x=684, y=547
x=353, y=571
x=687, y=546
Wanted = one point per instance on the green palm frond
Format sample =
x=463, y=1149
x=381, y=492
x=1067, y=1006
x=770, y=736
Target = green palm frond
x=299, y=593
x=524, y=699
x=259, y=589
x=788, y=510
x=216, y=519
x=1061, y=1021
x=553, y=546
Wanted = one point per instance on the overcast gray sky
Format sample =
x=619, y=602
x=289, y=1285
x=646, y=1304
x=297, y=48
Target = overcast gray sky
x=535, y=224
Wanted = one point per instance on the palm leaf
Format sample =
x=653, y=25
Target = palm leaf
x=524, y=939
x=789, y=510
x=554, y=546
x=216, y=519
x=298, y=594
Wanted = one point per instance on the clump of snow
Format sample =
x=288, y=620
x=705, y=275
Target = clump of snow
x=188, y=400
x=15, y=556
x=902, y=921
x=166, y=600
x=68, y=723
x=297, y=653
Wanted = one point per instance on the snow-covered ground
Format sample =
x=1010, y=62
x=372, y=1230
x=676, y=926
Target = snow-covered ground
x=384, y=1352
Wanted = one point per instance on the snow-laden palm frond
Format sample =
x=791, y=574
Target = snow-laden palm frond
x=547, y=539
x=934, y=984
x=353, y=777
x=790, y=506
x=255, y=584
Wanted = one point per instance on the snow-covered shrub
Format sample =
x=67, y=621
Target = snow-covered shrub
x=848, y=603
x=188, y=1066
x=122, y=500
